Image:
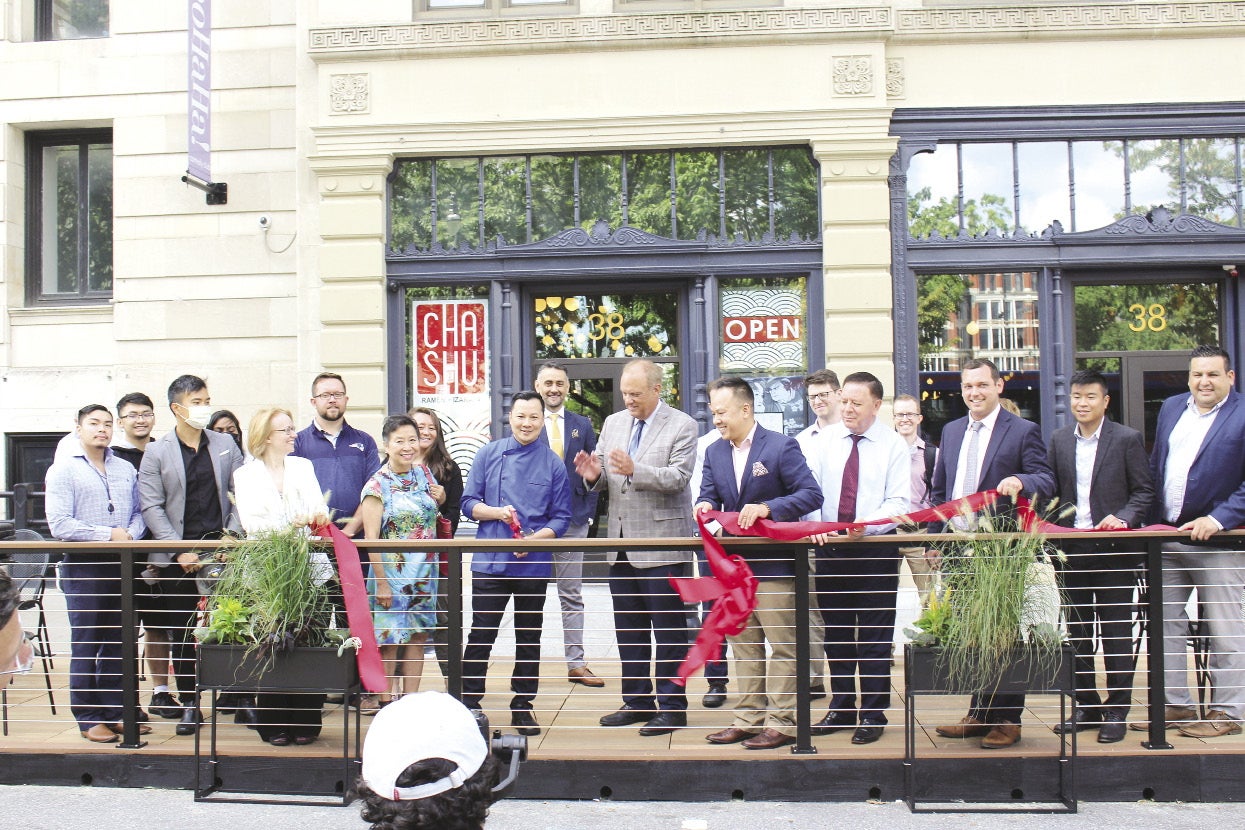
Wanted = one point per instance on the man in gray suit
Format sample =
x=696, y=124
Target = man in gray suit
x=645, y=457
x=183, y=485
x=1102, y=479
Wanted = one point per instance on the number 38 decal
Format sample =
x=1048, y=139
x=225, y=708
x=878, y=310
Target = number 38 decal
x=1153, y=317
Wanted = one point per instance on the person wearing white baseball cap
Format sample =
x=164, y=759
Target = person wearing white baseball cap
x=426, y=765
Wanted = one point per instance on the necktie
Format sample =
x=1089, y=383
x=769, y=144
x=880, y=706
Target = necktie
x=636, y=431
x=555, y=436
x=851, y=482
x=970, y=463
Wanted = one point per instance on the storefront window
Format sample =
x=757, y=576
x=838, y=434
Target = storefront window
x=764, y=339
x=1145, y=317
x=961, y=317
x=606, y=326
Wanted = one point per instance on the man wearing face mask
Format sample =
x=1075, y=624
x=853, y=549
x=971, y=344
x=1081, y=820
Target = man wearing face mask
x=183, y=486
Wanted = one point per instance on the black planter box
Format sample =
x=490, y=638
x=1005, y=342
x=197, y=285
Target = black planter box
x=925, y=674
x=301, y=669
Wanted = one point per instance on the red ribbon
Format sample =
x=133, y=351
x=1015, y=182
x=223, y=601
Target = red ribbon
x=733, y=587
x=358, y=613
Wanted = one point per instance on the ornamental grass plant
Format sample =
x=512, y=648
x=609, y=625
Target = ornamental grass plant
x=998, y=599
x=271, y=596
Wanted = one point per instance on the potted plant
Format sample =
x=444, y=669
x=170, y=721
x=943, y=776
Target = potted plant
x=270, y=618
x=993, y=626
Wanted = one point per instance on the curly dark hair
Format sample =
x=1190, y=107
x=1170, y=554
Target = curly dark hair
x=462, y=808
x=9, y=598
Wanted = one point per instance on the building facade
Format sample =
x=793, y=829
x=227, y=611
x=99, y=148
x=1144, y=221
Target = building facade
x=432, y=197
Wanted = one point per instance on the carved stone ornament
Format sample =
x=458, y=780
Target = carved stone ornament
x=349, y=94
x=894, y=78
x=1027, y=19
x=853, y=75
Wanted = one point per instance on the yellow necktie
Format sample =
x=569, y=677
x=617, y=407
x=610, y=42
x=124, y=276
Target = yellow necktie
x=555, y=436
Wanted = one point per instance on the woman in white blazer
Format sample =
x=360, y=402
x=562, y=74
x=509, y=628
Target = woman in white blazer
x=275, y=491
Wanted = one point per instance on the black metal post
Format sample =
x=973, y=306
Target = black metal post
x=1154, y=647
x=129, y=656
x=803, y=718
x=454, y=628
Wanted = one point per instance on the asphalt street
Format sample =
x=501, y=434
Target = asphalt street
x=99, y=808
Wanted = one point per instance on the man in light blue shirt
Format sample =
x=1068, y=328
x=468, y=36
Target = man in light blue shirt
x=92, y=496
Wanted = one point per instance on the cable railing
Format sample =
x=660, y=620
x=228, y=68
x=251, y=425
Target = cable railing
x=1165, y=634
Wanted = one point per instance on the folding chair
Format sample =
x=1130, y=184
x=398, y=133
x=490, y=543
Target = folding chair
x=29, y=572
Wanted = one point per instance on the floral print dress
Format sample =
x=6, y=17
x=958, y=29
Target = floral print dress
x=409, y=512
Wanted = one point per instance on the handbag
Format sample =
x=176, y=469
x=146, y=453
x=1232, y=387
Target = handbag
x=445, y=530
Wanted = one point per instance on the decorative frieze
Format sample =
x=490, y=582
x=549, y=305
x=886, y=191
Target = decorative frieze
x=853, y=75
x=894, y=78
x=349, y=94
x=1032, y=19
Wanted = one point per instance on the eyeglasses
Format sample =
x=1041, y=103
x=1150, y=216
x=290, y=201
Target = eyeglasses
x=330, y=396
x=139, y=416
x=287, y=431
x=25, y=659
x=822, y=396
x=907, y=416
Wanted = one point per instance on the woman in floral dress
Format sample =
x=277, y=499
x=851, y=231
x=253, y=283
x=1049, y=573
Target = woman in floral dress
x=401, y=502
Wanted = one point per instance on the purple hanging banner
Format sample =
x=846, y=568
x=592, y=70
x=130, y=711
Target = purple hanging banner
x=199, y=90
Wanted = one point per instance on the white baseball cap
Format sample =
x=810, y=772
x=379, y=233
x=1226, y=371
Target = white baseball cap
x=415, y=728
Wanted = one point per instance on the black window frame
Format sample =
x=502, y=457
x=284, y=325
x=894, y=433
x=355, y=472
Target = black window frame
x=44, y=19
x=36, y=143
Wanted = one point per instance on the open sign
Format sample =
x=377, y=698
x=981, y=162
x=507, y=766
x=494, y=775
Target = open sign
x=770, y=329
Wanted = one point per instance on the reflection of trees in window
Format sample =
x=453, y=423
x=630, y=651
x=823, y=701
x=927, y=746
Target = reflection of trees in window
x=600, y=326
x=1112, y=318
x=1203, y=174
x=71, y=19
x=742, y=194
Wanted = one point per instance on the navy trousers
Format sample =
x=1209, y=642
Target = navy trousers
x=647, y=611
x=92, y=597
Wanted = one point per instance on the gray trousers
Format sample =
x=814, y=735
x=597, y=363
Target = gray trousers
x=568, y=572
x=1219, y=578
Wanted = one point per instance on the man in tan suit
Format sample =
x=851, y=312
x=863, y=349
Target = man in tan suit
x=645, y=457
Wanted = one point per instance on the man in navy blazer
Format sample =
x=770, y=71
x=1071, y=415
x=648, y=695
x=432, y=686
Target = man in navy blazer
x=1103, y=480
x=990, y=448
x=569, y=433
x=1198, y=464
x=760, y=475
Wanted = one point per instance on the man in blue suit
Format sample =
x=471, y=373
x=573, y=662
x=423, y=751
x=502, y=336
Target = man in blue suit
x=760, y=475
x=990, y=448
x=1198, y=465
x=569, y=433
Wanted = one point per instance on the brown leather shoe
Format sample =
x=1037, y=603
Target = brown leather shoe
x=118, y=728
x=584, y=676
x=1173, y=715
x=730, y=735
x=1002, y=736
x=968, y=727
x=1216, y=725
x=100, y=734
x=769, y=739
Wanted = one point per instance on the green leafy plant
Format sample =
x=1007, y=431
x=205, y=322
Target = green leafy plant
x=271, y=597
x=997, y=598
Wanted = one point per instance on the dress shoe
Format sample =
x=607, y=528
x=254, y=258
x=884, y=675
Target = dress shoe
x=1081, y=720
x=1173, y=715
x=304, y=740
x=101, y=734
x=768, y=739
x=1216, y=725
x=227, y=702
x=280, y=739
x=1112, y=729
x=831, y=723
x=817, y=692
x=189, y=724
x=729, y=735
x=968, y=727
x=663, y=723
x=524, y=722
x=1001, y=736
x=867, y=733
x=333, y=700
x=627, y=716
x=165, y=705
x=715, y=697
x=118, y=728
x=246, y=716
x=584, y=677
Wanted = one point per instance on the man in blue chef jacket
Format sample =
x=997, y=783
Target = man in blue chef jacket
x=515, y=482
